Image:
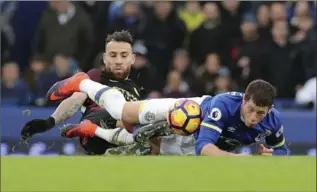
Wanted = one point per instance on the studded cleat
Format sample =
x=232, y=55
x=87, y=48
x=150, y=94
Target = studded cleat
x=84, y=129
x=66, y=88
x=145, y=133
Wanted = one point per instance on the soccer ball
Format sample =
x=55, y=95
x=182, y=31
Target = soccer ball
x=184, y=117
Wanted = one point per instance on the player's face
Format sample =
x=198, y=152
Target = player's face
x=118, y=59
x=253, y=114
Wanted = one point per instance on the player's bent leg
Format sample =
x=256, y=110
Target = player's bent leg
x=110, y=98
x=117, y=136
x=103, y=95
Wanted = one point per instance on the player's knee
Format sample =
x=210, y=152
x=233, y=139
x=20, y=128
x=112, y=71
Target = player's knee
x=114, y=103
x=154, y=110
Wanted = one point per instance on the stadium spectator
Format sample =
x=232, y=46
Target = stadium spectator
x=182, y=63
x=279, y=61
x=209, y=37
x=264, y=21
x=130, y=19
x=231, y=15
x=115, y=10
x=64, y=66
x=98, y=12
x=147, y=7
x=164, y=32
x=249, y=52
x=13, y=89
x=175, y=86
x=302, y=9
x=192, y=15
x=223, y=83
x=35, y=76
x=278, y=11
x=207, y=73
x=305, y=39
x=65, y=27
x=142, y=72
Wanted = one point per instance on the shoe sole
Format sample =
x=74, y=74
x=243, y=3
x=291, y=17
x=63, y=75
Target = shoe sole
x=66, y=128
x=143, y=134
x=53, y=93
x=54, y=90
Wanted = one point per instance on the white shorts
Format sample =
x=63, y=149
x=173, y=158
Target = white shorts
x=154, y=110
x=177, y=145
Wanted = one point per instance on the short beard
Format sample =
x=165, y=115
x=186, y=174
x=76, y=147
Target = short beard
x=120, y=76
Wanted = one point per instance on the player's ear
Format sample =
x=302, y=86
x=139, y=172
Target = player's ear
x=271, y=108
x=133, y=59
x=104, y=58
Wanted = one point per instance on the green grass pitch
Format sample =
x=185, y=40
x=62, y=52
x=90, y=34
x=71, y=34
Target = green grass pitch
x=161, y=173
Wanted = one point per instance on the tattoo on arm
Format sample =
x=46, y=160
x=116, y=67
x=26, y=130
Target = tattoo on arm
x=69, y=107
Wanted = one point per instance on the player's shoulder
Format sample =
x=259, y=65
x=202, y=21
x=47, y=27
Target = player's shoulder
x=230, y=96
x=225, y=104
x=94, y=74
x=273, y=120
x=228, y=100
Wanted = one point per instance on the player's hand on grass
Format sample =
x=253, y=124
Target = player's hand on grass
x=37, y=126
x=265, y=151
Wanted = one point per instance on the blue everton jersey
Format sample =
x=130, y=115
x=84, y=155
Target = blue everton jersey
x=223, y=125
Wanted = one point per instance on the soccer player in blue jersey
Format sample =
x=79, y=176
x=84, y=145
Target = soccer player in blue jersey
x=235, y=119
x=230, y=120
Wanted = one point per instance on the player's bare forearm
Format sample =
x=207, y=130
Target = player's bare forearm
x=69, y=107
x=213, y=150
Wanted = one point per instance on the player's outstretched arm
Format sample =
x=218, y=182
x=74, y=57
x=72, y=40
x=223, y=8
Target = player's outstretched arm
x=69, y=107
x=205, y=142
x=65, y=110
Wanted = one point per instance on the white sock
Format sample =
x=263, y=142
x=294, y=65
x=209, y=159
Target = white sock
x=123, y=137
x=155, y=110
x=110, y=98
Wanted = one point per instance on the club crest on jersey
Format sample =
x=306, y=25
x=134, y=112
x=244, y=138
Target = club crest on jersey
x=149, y=116
x=215, y=114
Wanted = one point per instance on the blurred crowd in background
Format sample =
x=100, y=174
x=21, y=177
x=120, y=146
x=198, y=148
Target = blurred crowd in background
x=183, y=48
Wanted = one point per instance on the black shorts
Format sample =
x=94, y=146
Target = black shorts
x=96, y=145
